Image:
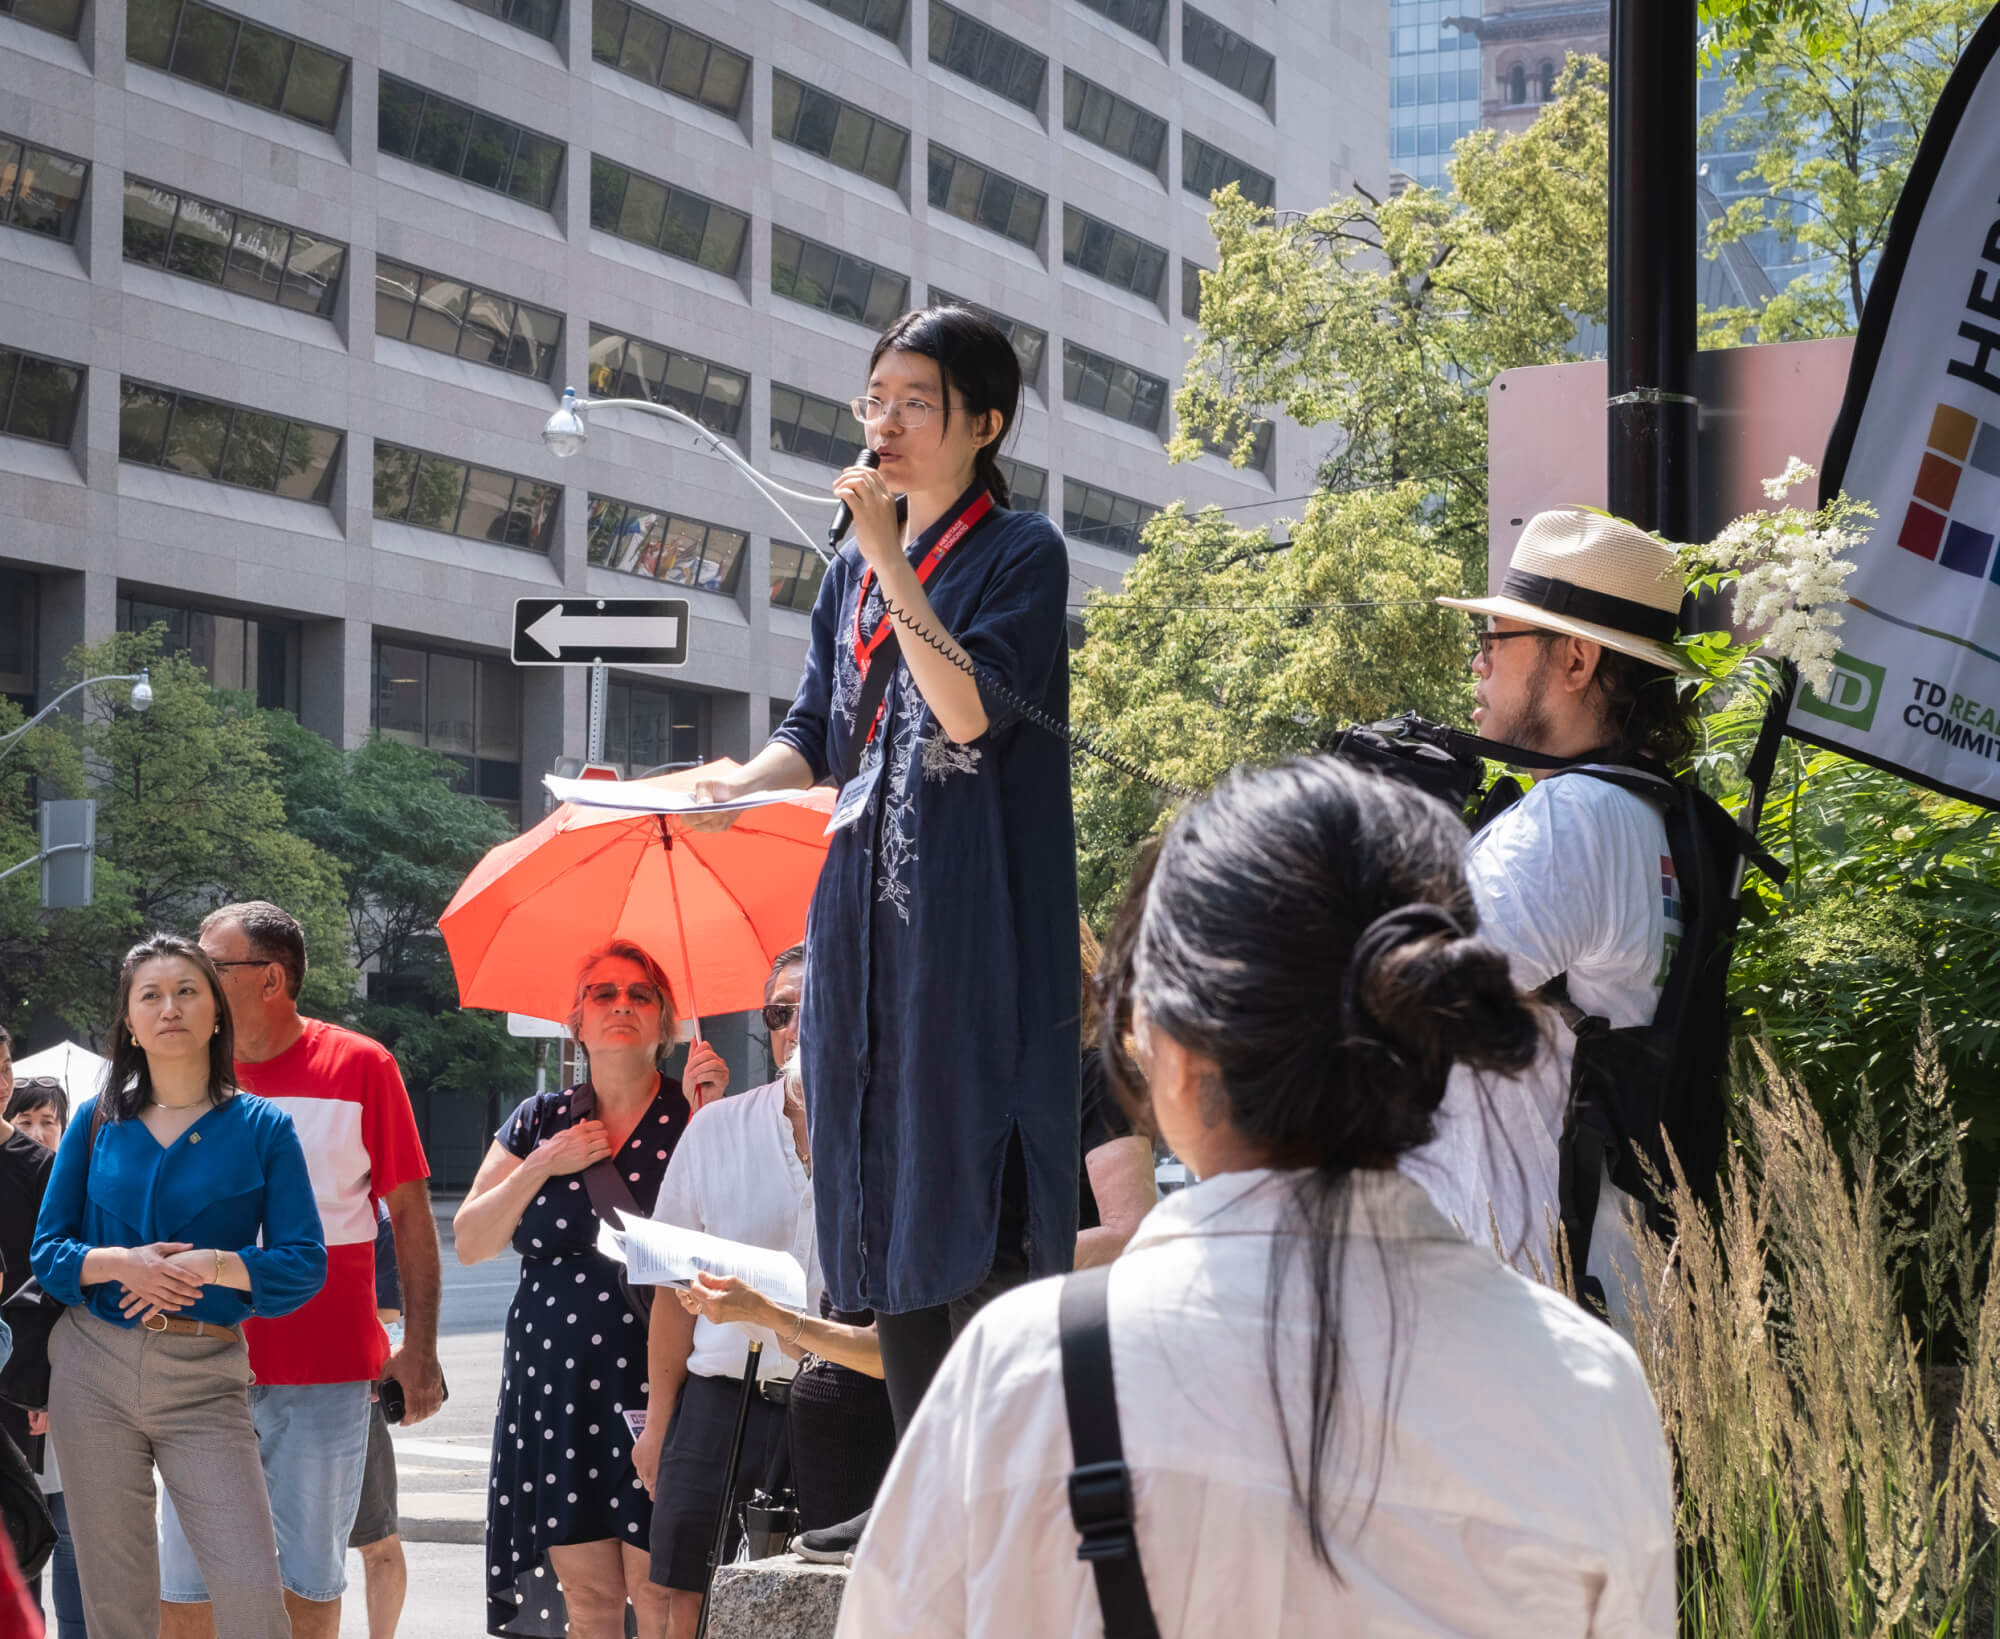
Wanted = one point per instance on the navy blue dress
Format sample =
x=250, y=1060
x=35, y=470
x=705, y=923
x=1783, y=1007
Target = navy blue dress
x=573, y=1362
x=939, y=1014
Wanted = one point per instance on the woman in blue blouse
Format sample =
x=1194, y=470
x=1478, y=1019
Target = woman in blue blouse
x=177, y=1206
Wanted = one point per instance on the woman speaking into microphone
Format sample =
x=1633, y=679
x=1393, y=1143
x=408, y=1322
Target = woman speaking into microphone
x=939, y=1013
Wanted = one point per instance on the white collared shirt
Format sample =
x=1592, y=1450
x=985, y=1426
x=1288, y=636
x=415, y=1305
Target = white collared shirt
x=1523, y=1487
x=736, y=1173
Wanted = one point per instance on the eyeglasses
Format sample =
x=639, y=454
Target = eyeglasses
x=1483, y=641
x=642, y=995
x=247, y=961
x=913, y=413
x=777, y=1015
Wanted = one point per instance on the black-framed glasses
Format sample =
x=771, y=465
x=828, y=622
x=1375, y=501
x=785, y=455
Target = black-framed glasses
x=1483, y=640
x=246, y=961
x=779, y=1015
x=641, y=994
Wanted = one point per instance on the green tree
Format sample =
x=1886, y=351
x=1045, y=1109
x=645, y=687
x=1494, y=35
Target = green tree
x=1388, y=321
x=189, y=817
x=404, y=839
x=1832, y=114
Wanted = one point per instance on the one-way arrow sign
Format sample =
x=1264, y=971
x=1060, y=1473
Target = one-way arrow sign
x=617, y=631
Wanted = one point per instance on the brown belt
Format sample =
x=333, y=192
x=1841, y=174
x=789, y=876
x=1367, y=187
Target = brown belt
x=180, y=1326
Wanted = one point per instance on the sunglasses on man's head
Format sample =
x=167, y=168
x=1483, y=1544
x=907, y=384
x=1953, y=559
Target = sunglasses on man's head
x=777, y=1015
x=643, y=995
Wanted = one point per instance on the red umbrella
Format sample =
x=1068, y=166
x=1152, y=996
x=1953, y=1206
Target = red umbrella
x=712, y=907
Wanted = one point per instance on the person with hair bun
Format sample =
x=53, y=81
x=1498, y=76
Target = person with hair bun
x=1338, y=1414
x=566, y=1517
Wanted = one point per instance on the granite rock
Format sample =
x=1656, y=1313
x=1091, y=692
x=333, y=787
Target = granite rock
x=778, y=1598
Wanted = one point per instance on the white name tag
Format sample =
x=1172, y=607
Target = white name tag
x=854, y=797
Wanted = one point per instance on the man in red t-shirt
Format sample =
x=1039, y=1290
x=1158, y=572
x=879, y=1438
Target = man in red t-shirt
x=316, y=1367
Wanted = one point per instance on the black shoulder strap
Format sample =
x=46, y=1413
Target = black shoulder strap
x=874, y=685
x=1100, y=1486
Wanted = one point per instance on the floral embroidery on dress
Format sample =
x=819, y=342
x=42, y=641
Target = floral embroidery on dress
x=944, y=756
x=899, y=792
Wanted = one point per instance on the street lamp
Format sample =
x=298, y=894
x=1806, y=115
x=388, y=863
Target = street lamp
x=142, y=697
x=568, y=429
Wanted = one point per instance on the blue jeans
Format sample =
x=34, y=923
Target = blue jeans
x=313, y=1441
x=63, y=1591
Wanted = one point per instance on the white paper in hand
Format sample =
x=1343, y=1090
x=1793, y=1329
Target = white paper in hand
x=657, y=1254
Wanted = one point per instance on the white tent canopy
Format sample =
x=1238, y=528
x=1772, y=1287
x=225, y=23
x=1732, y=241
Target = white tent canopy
x=79, y=1069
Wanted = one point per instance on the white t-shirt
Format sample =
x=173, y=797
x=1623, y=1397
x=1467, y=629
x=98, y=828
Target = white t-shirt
x=1523, y=1491
x=1576, y=879
x=736, y=1173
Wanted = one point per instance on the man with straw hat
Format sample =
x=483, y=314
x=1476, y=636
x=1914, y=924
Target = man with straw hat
x=1574, y=659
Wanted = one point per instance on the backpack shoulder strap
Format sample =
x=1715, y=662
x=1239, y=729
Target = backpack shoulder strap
x=1100, y=1486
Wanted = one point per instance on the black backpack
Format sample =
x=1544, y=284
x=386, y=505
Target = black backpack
x=1637, y=1091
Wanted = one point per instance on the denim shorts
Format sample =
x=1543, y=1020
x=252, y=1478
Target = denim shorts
x=313, y=1439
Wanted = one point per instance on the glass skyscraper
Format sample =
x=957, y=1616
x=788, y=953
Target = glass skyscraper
x=1434, y=85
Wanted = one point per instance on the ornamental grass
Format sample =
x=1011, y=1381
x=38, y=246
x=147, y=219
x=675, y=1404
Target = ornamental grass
x=1823, y=1341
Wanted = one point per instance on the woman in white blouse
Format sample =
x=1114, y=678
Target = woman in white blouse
x=1340, y=1415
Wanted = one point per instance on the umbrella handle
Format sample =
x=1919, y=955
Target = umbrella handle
x=680, y=927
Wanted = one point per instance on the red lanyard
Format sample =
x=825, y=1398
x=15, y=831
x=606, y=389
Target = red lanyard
x=865, y=647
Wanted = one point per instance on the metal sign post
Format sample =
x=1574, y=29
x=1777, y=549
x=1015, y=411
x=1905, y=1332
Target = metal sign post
x=600, y=690
x=600, y=633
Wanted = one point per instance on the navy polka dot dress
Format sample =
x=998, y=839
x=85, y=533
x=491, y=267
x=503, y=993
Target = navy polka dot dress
x=574, y=1363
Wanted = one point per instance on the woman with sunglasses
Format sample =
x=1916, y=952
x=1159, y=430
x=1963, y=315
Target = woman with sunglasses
x=566, y=1516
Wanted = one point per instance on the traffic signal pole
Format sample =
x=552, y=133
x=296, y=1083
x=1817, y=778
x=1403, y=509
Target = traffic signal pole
x=1652, y=409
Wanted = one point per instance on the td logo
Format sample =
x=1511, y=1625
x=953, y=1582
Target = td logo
x=1852, y=694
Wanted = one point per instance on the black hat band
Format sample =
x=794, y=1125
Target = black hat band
x=1562, y=597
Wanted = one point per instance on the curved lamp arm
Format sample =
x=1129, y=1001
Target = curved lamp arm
x=567, y=430
x=142, y=697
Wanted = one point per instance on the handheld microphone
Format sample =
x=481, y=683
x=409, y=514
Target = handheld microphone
x=845, y=516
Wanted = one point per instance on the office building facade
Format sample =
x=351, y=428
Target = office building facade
x=290, y=290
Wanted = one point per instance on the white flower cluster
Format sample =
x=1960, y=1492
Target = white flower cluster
x=1789, y=573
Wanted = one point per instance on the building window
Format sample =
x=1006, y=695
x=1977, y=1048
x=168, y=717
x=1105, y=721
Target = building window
x=661, y=217
x=57, y=16
x=1223, y=54
x=1121, y=391
x=1102, y=518
x=459, y=140
x=1205, y=169
x=1515, y=83
x=987, y=57
x=1548, y=82
x=466, y=708
x=451, y=316
x=1027, y=487
x=1112, y=254
x=883, y=17
x=1142, y=17
x=1030, y=345
x=850, y=137
x=645, y=541
x=814, y=427
x=626, y=367
x=200, y=239
x=41, y=191
x=649, y=728
x=436, y=492
x=536, y=17
x=243, y=653
x=668, y=55
x=1191, y=273
x=239, y=58
x=969, y=191
x=38, y=397
x=1260, y=447
x=834, y=282
x=18, y=596
x=226, y=443
x=796, y=572
x=1107, y=119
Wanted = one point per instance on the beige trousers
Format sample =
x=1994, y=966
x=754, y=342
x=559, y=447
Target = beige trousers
x=123, y=1401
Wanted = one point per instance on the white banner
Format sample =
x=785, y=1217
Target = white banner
x=1917, y=688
